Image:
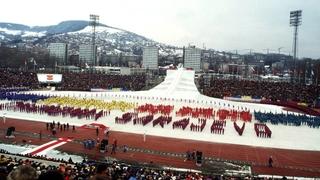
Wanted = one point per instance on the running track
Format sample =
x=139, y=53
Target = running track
x=286, y=162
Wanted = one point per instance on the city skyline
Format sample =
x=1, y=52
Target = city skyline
x=222, y=25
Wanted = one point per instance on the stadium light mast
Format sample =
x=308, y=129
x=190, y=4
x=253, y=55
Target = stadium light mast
x=94, y=22
x=295, y=21
x=279, y=50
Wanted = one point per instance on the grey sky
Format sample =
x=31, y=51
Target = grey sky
x=219, y=24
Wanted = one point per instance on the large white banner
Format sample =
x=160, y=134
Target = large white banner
x=49, y=78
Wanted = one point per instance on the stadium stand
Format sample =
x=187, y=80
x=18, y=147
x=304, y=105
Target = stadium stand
x=273, y=91
x=73, y=81
x=41, y=167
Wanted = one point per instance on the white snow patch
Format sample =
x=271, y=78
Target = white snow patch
x=34, y=34
x=16, y=149
x=10, y=31
x=99, y=29
x=117, y=51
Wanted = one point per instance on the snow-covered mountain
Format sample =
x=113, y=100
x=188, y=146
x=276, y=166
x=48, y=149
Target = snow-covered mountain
x=109, y=39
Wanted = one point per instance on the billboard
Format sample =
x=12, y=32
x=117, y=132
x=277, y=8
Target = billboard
x=49, y=78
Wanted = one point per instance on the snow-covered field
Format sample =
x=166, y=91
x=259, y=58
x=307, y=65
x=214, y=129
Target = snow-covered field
x=178, y=89
x=282, y=136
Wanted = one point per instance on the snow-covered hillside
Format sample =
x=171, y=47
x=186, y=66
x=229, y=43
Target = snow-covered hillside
x=99, y=29
x=10, y=31
x=109, y=39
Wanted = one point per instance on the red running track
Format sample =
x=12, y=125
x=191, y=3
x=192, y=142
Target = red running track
x=286, y=162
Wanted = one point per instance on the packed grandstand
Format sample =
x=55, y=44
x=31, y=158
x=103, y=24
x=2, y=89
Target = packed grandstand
x=172, y=109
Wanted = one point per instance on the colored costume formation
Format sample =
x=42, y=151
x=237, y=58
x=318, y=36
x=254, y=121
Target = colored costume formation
x=88, y=103
x=288, y=119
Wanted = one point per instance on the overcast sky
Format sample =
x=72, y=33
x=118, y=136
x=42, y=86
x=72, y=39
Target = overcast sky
x=218, y=24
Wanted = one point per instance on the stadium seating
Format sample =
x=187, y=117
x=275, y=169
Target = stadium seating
x=62, y=169
x=273, y=91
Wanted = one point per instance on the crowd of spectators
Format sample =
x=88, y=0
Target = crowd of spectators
x=17, y=167
x=10, y=78
x=74, y=81
x=283, y=91
x=36, y=157
x=86, y=81
x=13, y=89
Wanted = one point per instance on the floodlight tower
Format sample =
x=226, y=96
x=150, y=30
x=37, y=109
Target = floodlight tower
x=295, y=21
x=279, y=49
x=94, y=22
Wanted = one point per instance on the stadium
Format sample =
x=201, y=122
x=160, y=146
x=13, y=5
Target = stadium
x=168, y=131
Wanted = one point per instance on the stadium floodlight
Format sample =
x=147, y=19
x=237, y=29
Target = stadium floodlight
x=279, y=49
x=94, y=22
x=295, y=21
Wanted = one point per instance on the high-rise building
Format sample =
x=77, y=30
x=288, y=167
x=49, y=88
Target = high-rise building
x=150, y=57
x=87, y=54
x=192, y=58
x=59, y=51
